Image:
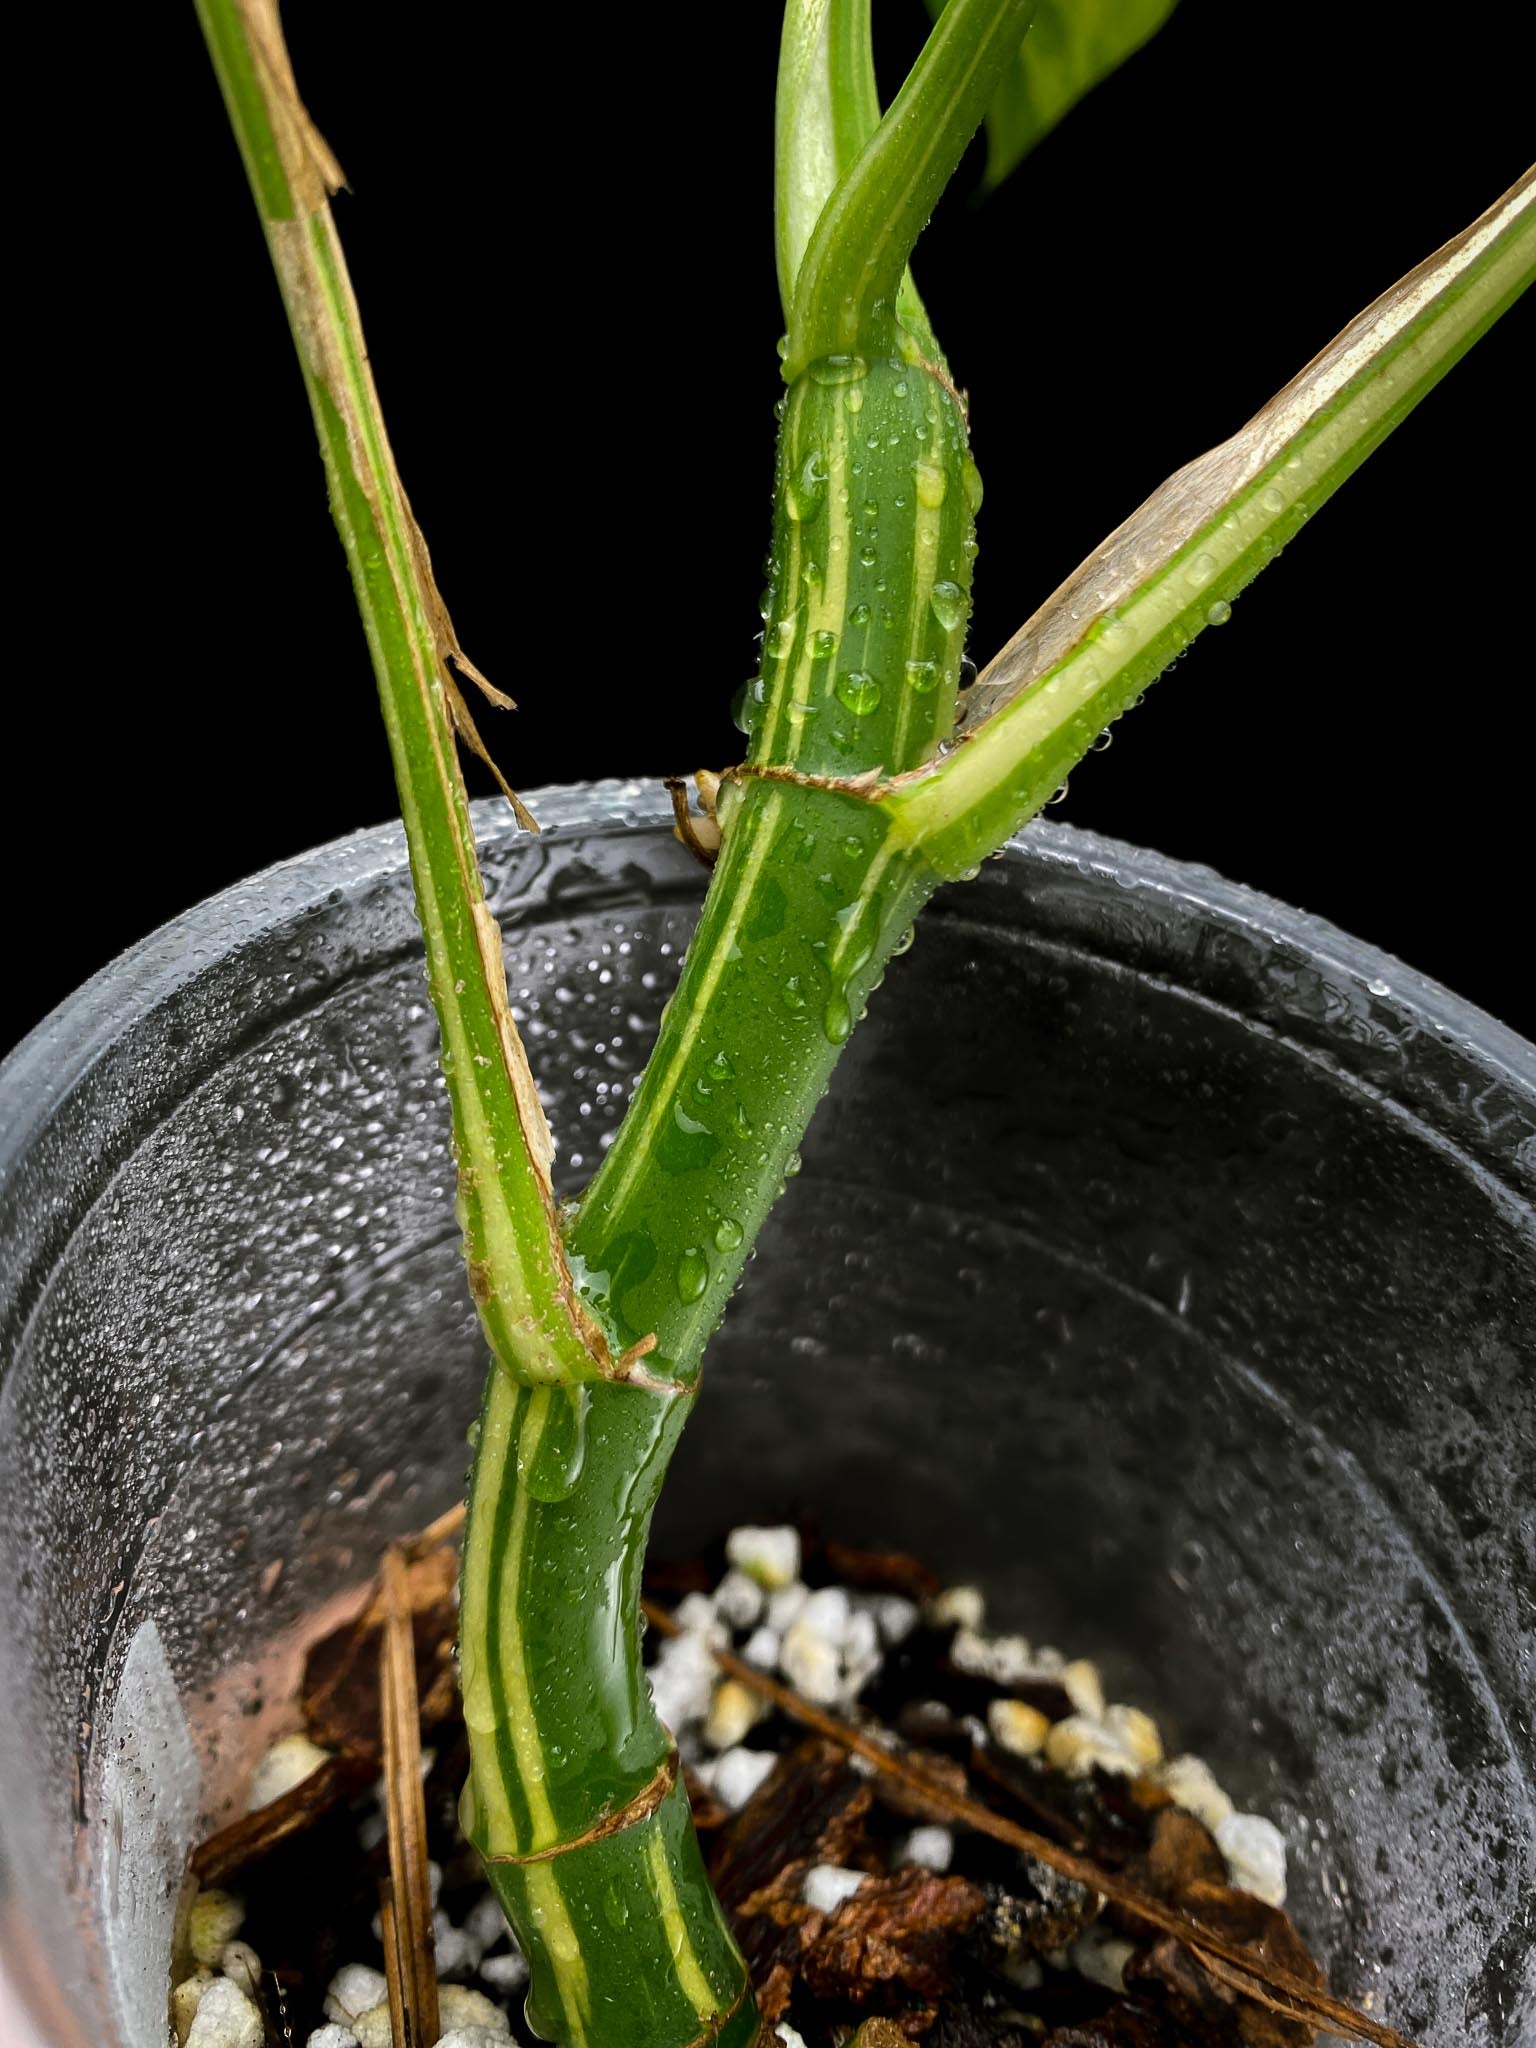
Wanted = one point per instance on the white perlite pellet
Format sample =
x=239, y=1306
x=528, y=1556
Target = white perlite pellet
x=1136, y=1734
x=1190, y=1783
x=894, y=1617
x=826, y=1885
x=354, y=1990
x=226, y=2018
x=507, y=1973
x=812, y=1661
x=216, y=1918
x=683, y=1681
x=739, y=1600
x=241, y=1964
x=1016, y=1726
x=456, y=1951
x=473, y=2037
x=733, y=1712
x=785, y=2033
x=1255, y=1853
x=830, y=1650
x=1076, y=1744
x=957, y=1607
x=458, y=2006
x=862, y=1656
x=739, y=1773
x=784, y=1605
x=332, y=2036
x=1081, y=1683
x=771, y=1556
x=372, y=2027
x=287, y=1763
x=695, y=1615
x=186, y=1998
x=762, y=1648
x=1005, y=1660
x=931, y=1848
x=486, y=1921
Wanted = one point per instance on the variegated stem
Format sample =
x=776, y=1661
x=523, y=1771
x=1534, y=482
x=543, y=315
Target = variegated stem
x=532, y=1319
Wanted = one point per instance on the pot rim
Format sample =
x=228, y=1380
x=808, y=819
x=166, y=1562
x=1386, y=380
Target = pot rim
x=38, y=1076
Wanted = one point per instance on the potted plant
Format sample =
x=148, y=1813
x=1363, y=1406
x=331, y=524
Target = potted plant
x=867, y=784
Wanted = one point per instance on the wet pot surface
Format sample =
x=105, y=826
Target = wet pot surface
x=1162, y=1258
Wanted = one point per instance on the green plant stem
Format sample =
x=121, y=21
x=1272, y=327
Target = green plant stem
x=810, y=897
x=512, y=1246
x=563, y=1732
x=826, y=109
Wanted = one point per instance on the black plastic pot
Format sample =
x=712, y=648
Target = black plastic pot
x=1162, y=1258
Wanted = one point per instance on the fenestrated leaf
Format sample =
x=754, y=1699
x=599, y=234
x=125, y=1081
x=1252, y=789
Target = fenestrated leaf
x=1070, y=47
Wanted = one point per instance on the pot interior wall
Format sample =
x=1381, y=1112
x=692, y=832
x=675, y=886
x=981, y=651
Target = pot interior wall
x=1160, y=1259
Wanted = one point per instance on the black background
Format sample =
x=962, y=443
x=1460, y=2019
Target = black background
x=562, y=245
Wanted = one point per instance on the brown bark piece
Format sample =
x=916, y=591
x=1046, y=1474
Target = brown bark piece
x=912, y=1805
x=340, y=1694
x=813, y=1808
x=1182, y=1853
x=1216, y=2001
x=893, y=1942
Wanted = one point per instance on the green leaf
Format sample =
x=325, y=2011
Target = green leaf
x=1176, y=565
x=1070, y=47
